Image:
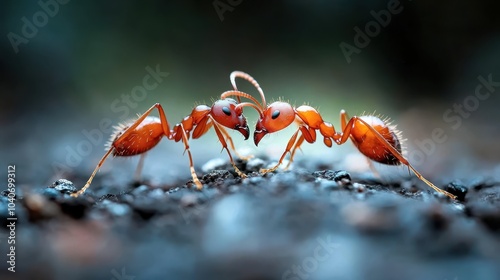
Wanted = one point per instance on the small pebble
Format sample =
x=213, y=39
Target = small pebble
x=340, y=176
x=64, y=186
x=360, y=188
x=457, y=189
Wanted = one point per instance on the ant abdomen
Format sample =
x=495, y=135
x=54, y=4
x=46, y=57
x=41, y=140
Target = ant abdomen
x=143, y=138
x=368, y=143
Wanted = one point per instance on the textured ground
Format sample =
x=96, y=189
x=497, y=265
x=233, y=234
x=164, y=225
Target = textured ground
x=299, y=224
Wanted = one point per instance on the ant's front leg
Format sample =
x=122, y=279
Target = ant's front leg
x=291, y=144
x=185, y=140
x=307, y=134
x=218, y=130
x=294, y=149
x=231, y=144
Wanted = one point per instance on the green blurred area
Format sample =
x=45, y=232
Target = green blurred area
x=90, y=54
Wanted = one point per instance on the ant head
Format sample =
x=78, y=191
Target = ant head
x=226, y=113
x=277, y=116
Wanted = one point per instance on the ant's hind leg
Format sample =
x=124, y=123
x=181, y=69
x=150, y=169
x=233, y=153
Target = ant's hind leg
x=347, y=130
x=89, y=181
x=403, y=160
x=128, y=131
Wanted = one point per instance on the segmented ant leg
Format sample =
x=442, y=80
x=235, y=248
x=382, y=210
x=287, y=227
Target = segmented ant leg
x=89, y=181
x=220, y=135
x=208, y=123
x=231, y=144
x=140, y=165
x=346, y=132
x=306, y=134
x=294, y=149
x=289, y=146
x=185, y=139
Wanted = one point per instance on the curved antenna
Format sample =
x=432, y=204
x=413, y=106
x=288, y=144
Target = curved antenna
x=246, y=104
x=245, y=76
x=237, y=93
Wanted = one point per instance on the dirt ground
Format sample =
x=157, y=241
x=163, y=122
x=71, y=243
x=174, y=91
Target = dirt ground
x=300, y=224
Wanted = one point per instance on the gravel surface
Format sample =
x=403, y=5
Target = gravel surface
x=297, y=224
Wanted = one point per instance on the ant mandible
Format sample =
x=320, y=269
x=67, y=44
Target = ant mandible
x=374, y=137
x=139, y=136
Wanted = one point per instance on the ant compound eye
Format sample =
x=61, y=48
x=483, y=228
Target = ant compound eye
x=226, y=111
x=275, y=114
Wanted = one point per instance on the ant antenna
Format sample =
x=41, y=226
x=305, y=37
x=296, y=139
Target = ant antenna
x=243, y=75
x=257, y=106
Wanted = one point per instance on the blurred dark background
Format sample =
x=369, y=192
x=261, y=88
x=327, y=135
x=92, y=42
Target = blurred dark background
x=65, y=79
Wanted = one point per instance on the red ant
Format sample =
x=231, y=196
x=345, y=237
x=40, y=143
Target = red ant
x=139, y=136
x=374, y=138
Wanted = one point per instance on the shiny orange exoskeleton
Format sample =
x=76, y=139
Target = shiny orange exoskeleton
x=141, y=135
x=374, y=138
